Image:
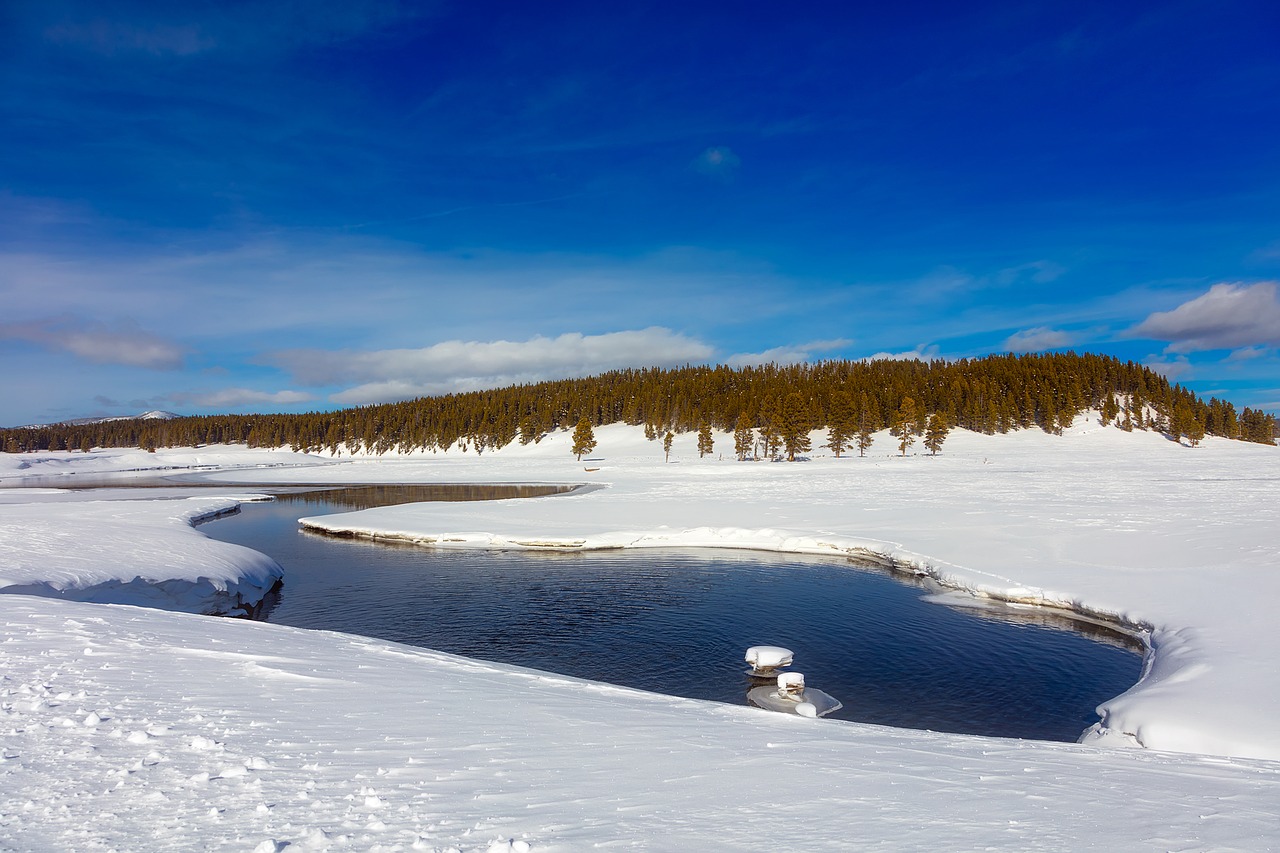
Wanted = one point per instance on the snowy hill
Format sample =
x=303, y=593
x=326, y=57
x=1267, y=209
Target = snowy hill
x=313, y=740
x=155, y=415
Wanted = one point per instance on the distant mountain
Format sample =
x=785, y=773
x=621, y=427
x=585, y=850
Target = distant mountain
x=156, y=415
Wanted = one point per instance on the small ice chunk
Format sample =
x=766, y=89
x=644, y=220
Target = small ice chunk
x=807, y=709
x=791, y=682
x=769, y=657
x=791, y=686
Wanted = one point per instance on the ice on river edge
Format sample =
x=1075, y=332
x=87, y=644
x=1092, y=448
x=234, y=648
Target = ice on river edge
x=1129, y=524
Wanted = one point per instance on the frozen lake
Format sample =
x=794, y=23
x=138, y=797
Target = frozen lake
x=679, y=622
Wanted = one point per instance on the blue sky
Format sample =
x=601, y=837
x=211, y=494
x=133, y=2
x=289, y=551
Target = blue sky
x=287, y=206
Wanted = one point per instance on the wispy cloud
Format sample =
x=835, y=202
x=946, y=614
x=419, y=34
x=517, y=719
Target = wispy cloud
x=252, y=288
x=188, y=29
x=113, y=37
x=122, y=343
x=1036, y=272
x=1038, y=339
x=1248, y=353
x=948, y=281
x=792, y=354
x=920, y=353
x=233, y=398
x=1173, y=369
x=1228, y=316
x=385, y=375
x=718, y=162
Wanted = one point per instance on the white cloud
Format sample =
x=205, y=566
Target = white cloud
x=250, y=291
x=384, y=375
x=795, y=354
x=1248, y=353
x=920, y=353
x=1171, y=369
x=1037, y=340
x=1228, y=316
x=776, y=355
x=122, y=343
x=1037, y=272
x=229, y=398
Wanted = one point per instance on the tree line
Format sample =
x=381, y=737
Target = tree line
x=780, y=404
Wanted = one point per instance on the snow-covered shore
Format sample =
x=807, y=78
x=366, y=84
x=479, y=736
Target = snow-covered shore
x=388, y=743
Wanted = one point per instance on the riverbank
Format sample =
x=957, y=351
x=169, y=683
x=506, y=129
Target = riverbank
x=152, y=729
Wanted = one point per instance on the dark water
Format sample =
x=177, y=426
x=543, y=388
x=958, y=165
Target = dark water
x=679, y=621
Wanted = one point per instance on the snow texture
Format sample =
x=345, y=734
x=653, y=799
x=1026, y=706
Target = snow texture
x=129, y=728
x=768, y=657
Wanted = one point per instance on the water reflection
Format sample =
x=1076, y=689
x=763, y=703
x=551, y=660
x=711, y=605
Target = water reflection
x=375, y=495
x=679, y=621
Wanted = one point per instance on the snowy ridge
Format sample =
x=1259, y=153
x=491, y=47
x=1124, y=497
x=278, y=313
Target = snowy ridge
x=154, y=415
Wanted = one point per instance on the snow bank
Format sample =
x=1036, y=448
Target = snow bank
x=144, y=730
x=130, y=552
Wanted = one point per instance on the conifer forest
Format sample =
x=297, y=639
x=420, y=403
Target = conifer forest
x=995, y=394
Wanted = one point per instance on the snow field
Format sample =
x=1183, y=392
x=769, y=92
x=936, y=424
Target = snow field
x=147, y=730
x=128, y=728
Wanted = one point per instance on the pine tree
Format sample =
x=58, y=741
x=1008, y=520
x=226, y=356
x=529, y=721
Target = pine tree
x=705, y=442
x=743, y=437
x=936, y=433
x=1195, y=431
x=1110, y=409
x=867, y=423
x=667, y=441
x=840, y=427
x=584, y=438
x=794, y=426
x=528, y=432
x=865, y=440
x=771, y=418
x=905, y=424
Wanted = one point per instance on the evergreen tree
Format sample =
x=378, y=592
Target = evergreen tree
x=865, y=439
x=867, y=423
x=841, y=426
x=743, y=436
x=705, y=442
x=905, y=424
x=528, y=432
x=1110, y=409
x=936, y=433
x=771, y=419
x=584, y=438
x=794, y=427
x=992, y=393
x=1195, y=432
x=667, y=441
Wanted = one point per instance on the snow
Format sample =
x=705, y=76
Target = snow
x=130, y=552
x=768, y=657
x=131, y=728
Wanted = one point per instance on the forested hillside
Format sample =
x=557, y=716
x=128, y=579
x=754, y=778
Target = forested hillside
x=993, y=394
